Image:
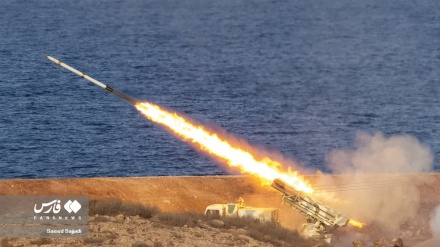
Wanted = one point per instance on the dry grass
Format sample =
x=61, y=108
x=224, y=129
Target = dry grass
x=113, y=207
x=158, y=244
x=181, y=219
x=138, y=245
x=239, y=222
x=100, y=218
x=267, y=232
x=278, y=236
x=94, y=241
x=40, y=241
x=5, y=242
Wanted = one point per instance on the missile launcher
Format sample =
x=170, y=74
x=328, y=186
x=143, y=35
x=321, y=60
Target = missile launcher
x=320, y=218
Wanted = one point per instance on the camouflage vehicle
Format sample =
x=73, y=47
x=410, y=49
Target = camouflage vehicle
x=239, y=209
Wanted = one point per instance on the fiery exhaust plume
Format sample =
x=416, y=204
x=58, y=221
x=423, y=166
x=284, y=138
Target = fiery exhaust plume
x=211, y=143
x=266, y=168
x=356, y=223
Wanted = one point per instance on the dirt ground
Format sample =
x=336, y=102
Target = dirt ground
x=183, y=193
x=180, y=194
x=171, y=194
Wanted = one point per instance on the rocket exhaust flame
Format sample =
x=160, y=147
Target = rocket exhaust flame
x=356, y=223
x=211, y=143
x=266, y=168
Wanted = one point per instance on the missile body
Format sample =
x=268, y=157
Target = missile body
x=109, y=89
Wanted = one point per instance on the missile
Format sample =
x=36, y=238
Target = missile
x=109, y=89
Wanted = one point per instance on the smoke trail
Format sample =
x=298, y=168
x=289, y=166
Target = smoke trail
x=384, y=159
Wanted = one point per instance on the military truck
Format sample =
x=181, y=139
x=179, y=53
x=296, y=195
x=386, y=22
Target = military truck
x=239, y=209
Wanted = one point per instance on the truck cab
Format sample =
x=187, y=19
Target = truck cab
x=239, y=209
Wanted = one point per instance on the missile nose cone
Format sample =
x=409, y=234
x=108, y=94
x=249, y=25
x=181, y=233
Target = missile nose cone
x=52, y=59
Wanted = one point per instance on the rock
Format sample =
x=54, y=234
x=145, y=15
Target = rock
x=217, y=223
x=244, y=238
x=108, y=228
x=409, y=233
x=320, y=245
x=397, y=242
x=240, y=231
x=418, y=233
x=203, y=225
x=222, y=236
x=359, y=243
x=381, y=243
x=149, y=243
x=119, y=218
x=70, y=241
x=127, y=219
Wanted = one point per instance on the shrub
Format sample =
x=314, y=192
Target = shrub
x=239, y=222
x=276, y=235
x=180, y=219
x=139, y=209
x=101, y=218
x=109, y=207
x=112, y=207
